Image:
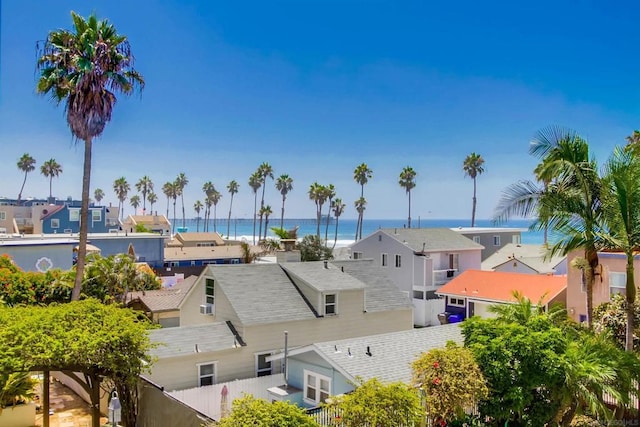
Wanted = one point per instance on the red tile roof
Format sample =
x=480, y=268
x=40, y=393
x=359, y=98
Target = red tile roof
x=499, y=286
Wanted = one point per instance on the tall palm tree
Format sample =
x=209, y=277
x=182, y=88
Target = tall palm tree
x=135, y=202
x=329, y=193
x=338, y=209
x=174, y=197
x=621, y=211
x=180, y=183
x=571, y=205
x=26, y=164
x=232, y=188
x=360, y=205
x=266, y=212
x=208, y=189
x=284, y=184
x=633, y=142
x=85, y=68
x=197, y=206
x=152, y=198
x=408, y=182
x=255, y=181
x=144, y=186
x=168, y=190
x=215, y=198
x=121, y=187
x=473, y=166
x=265, y=171
x=98, y=194
x=362, y=174
x=318, y=193
x=50, y=169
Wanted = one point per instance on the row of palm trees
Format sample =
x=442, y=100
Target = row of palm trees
x=49, y=169
x=588, y=207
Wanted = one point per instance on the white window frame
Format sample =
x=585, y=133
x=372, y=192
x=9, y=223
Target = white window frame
x=384, y=260
x=457, y=302
x=333, y=304
x=55, y=223
x=3, y=216
x=209, y=298
x=620, y=285
x=94, y=217
x=316, y=387
x=398, y=260
x=356, y=255
x=74, y=214
x=260, y=372
x=476, y=239
x=516, y=239
x=496, y=240
x=212, y=376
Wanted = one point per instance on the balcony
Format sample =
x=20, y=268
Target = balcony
x=440, y=277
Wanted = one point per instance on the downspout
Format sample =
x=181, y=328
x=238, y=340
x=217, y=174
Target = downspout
x=286, y=354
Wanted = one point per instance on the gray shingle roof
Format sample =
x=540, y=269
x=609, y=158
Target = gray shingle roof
x=381, y=294
x=174, y=342
x=260, y=293
x=533, y=256
x=391, y=354
x=323, y=279
x=166, y=299
x=432, y=239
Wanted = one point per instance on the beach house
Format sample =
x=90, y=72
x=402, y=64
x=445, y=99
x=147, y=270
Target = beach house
x=492, y=238
x=528, y=259
x=419, y=261
x=66, y=219
x=235, y=316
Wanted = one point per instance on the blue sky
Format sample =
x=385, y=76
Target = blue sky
x=317, y=87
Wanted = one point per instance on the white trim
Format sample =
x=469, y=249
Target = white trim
x=317, y=387
x=264, y=371
x=398, y=260
x=617, y=289
x=496, y=239
x=384, y=259
x=3, y=216
x=334, y=304
x=456, y=303
x=200, y=376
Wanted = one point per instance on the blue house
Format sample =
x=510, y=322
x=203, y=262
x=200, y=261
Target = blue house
x=66, y=219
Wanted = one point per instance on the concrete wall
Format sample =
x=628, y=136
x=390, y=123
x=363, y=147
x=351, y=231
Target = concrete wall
x=19, y=416
x=148, y=248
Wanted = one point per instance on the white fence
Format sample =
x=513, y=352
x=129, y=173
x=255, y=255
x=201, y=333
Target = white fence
x=208, y=399
x=425, y=312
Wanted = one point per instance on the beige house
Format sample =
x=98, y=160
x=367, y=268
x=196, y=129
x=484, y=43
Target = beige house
x=155, y=223
x=527, y=259
x=610, y=279
x=196, y=240
x=235, y=316
x=162, y=306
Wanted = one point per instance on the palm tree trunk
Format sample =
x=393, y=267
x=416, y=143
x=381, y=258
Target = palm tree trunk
x=358, y=225
x=50, y=188
x=318, y=217
x=255, y=206
x=335, y=239
x=229, y=217
x=326, y=228
x=215, y=218
x=24, y=181
x=409, y=219
x=198, y=223
x=630, y=289
x=473, y=209
x=591, y=256
x=84, y=214
x=282, y=213
x=174, y=217
x=167, y=207
x=183, y=216
x=264, y=185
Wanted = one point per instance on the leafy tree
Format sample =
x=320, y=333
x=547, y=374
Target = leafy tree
x=121, y=187
x=152, y=198
x=473, y=166
x=197, y=206
x=33, y=288
x=362, y=174
x=284, y=184
x=381, y=405
x=232, y=188
x=51, y=169
x=633, y=143
x=135, y=203
x=611, y=318
x=26, y=164
x=408, y=182
x=312, y=249
x=247, y=255
x=98, y=194
x=180, y=183
x=85, y=68
x=144, y=186
x=451, y=381
x=248, y=411
x=255, y=182
x=621, y=211
x=101, y=341
x=15, y=387
x=338, y=209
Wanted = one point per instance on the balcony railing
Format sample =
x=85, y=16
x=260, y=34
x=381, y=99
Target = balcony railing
x=440, y=277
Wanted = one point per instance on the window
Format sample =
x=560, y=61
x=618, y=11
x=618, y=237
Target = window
x=357, y=255
x=515, y=239
x=206, y=373
x=398, y=261
x=384, y=260
x=496, y=240
x=3, y=216
x=617, y=283
x=96, y=215
x=263, y=367
x=74, y=214
x=418, y=294
x=209, y=291
x=458, y=302
x=476, y=239
x=193, y=263
x=317, y=388
x=330, y=304
x=55, y=223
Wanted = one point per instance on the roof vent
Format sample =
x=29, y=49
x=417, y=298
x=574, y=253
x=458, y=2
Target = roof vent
x=326, y=263
x=368, y=353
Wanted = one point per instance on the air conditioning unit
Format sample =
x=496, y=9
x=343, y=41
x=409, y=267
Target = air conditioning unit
x=206, y=309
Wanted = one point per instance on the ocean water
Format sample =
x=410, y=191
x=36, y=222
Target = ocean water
x=242, y=228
